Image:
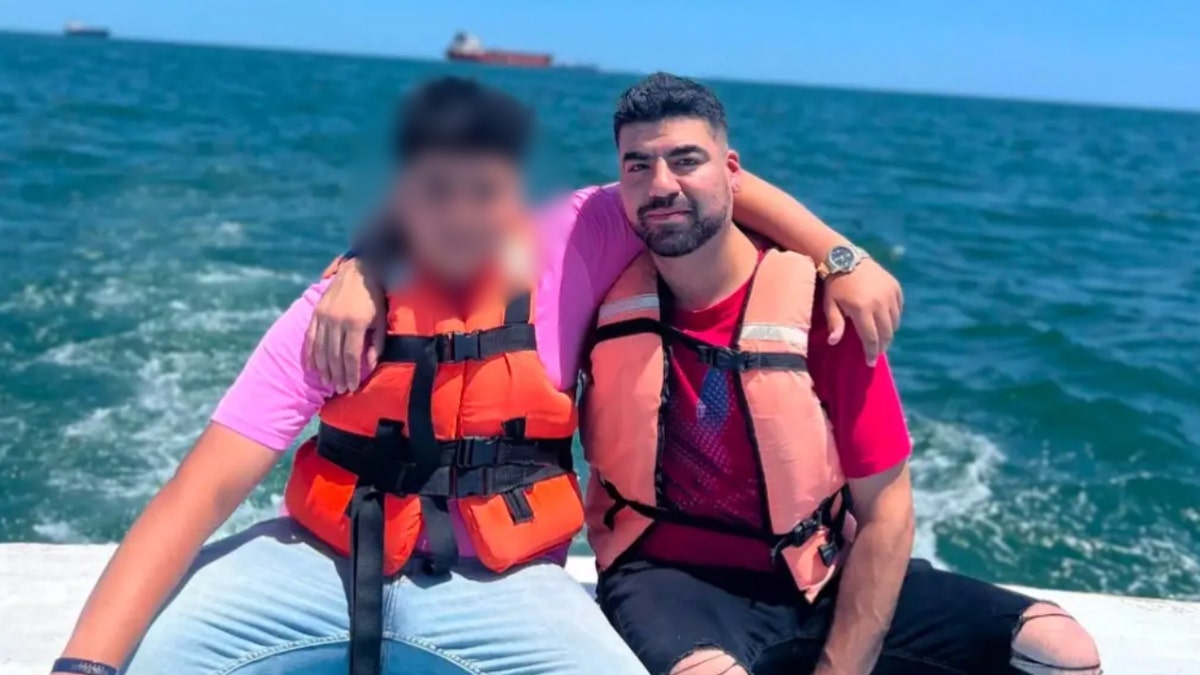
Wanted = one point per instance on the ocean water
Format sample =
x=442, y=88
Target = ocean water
x=161, y=204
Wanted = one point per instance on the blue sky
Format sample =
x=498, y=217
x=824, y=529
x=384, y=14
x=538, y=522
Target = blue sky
x=1106, y=51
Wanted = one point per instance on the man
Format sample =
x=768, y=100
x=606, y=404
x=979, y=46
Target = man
x=718, y=504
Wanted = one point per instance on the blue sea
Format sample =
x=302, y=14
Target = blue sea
x=161, y=204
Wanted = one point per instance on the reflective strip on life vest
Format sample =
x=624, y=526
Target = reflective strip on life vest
x=714, y=356
x=771, y=332
x=637, y=303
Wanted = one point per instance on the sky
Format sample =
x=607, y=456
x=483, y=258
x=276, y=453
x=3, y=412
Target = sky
x=1100, y=51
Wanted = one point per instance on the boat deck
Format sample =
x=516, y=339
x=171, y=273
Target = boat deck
x=43, y=587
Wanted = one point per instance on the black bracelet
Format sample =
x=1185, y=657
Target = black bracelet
x=83, y=666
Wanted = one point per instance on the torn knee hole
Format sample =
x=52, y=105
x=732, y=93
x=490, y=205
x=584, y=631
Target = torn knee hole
x=1047, y=640
x=707, y=660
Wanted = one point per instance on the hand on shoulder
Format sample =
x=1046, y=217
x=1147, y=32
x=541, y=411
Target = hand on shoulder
x=349, y=318
x=871, y=298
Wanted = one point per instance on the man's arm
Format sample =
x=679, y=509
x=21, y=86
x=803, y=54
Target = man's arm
x=765, y=209
x=873, y=574
x=873, y=445
x=353, y=309
x=870, y=297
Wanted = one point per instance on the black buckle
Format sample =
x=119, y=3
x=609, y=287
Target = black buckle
x=828, y=553
x=802, y=532
x=723, y=358
x=477, y=452
x=457, y=347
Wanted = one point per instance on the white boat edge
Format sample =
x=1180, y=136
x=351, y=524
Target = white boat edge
x=43, y=587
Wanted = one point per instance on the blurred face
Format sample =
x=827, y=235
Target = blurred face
x=678, y=177
x=455, y=209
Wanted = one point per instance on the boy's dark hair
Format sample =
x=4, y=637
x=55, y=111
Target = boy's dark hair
x=461, y=115
x=663, y=95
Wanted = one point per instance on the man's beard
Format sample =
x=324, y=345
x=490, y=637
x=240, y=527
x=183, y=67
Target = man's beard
x=676, y=240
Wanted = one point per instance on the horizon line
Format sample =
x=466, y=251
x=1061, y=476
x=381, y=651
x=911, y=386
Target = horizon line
x=602, y=70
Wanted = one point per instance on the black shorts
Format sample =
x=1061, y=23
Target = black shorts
x=945, y=623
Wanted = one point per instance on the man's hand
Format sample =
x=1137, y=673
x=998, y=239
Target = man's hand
x=871, y=298
x=353, y=308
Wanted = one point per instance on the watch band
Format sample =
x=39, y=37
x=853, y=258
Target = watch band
x=824, y=269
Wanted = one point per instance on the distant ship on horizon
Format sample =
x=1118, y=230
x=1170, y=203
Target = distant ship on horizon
x=467, y=47
x=76, y=29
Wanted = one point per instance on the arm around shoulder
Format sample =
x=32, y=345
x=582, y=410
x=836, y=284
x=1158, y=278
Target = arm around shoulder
x=868, y=296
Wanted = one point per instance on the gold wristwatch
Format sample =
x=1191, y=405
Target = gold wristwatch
x=842, y=259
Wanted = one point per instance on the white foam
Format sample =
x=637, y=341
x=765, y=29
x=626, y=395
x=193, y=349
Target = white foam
x=951, y=467
x=239, y=274
x=154, y=427
x=250, y=513
x=10, y=428
x=221, y=321
x=34, y=297
x=228, y=233
x=58, y=532
x=117, y=292
x=97, y=423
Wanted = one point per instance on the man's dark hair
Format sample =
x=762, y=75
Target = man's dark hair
x=661, y=96
x=461, y=115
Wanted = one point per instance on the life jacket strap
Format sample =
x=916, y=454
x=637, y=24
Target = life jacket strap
x=677, y=517
x=620, y=329
x=462, y=467
x=391, y=462
x=714, y=356
x=366, y=580
x=823, y=516
x=478, y=345
x=515, y=335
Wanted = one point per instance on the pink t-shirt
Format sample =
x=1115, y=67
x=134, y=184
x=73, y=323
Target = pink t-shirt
x=586, y=243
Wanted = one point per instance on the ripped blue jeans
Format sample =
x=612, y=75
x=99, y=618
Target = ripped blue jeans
x=270, y=600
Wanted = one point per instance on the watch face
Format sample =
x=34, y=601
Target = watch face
x=841, y=257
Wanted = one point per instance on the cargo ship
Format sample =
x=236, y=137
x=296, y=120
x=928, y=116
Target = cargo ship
x=467, y=47
x=76, y=29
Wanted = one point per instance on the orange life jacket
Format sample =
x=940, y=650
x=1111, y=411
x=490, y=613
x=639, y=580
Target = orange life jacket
x=460, y=407
x=808, y=524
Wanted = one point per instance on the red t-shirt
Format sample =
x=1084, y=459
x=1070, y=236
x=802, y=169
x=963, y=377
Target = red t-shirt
x=708, y=462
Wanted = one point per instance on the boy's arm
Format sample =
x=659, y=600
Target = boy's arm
x=869, y=296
